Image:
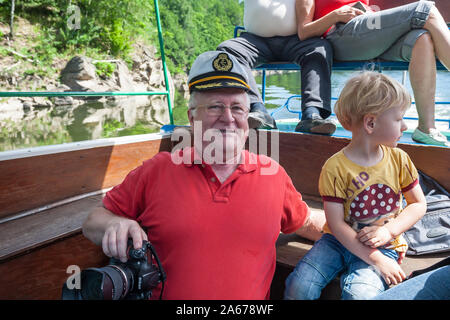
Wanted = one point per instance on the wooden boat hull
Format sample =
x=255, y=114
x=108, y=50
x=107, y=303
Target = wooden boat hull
x=37, y=247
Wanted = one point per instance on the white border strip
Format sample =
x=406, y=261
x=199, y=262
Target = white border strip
x=53, y=205
x=73, y=146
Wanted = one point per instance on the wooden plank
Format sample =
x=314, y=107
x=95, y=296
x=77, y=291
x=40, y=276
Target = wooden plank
x=35, y=181
x=38, y=273
x=303, y=155
x=433, y=161
x=24, y=234
x=42, y=273
x=291, y=248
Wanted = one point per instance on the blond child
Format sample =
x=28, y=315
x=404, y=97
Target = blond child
x=361, y=187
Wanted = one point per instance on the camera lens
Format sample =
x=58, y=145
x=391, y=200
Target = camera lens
x=92, y=284
x=107, y=283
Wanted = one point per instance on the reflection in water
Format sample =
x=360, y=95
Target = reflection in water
x=281, y=86
x=23, y=127
x=30, y=127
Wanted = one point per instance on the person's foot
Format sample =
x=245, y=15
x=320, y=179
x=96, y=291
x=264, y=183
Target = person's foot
x=316, y=124
x=260, y=120
x=433, y=138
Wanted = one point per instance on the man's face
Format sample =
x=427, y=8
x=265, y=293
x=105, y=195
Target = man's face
x=222, y=114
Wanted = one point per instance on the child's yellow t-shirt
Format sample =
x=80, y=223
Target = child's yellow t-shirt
x=371, y=195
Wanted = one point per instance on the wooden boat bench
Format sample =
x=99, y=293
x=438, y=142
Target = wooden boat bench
x=54, y=236
x=291, y=248
x=46, y=194
x=38, y=246
x=37, y=250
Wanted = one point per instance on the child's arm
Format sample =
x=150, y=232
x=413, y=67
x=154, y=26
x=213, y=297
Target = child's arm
x=375, y=236
x=390, y=270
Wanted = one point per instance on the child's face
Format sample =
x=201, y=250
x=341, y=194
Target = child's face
x=389, y=126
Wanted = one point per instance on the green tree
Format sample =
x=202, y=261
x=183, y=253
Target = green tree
x=111, y=27
x=192, y=27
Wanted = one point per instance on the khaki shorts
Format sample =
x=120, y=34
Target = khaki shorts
x=387, y=34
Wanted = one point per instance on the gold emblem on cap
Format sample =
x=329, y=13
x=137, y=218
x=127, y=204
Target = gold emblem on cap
x=209, y=85
x=222, y=63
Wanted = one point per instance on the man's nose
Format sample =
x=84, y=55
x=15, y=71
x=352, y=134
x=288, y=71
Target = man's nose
x=227, y=115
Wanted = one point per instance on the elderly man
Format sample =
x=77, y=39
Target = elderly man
x=213, y=223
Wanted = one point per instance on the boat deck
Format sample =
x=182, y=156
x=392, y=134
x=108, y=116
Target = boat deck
x=43, y=231
x=41, y=236
x=291, y=248
x=288, y=125
x=37, y=249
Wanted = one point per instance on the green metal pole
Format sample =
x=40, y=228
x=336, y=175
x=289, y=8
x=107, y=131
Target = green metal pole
x=79, y=93
x=161, y=46
x=100, y=94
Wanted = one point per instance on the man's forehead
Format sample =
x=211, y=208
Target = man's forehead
x=222, y=94
x=223, y=91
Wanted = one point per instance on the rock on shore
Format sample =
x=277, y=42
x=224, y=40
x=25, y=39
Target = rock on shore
x=80, y=74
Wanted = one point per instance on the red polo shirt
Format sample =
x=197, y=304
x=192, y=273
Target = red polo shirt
x=215, y=240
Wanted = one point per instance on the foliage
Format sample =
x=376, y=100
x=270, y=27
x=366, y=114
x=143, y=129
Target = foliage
x=192, y=27
x=105, y=69
x=114, y=128
x=111, y=27
x=110, y=127
x=180, y=110
x=35, y=132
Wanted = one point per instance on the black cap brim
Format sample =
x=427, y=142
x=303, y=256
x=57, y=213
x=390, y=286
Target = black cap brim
x=217, y=81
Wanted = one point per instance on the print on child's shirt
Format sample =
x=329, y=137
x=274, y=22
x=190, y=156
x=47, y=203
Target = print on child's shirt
x=375, y=205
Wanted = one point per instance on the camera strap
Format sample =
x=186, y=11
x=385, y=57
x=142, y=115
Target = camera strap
x=162, y=273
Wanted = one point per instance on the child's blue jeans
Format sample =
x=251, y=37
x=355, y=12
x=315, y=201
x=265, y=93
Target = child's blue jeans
x=325, y=261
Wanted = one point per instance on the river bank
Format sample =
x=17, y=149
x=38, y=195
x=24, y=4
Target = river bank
x=22, y=70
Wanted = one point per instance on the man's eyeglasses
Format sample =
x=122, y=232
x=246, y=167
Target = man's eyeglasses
x=219, y=109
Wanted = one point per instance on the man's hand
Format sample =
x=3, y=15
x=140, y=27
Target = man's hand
x=312, y=229
x=374, y=236
x=117, y=232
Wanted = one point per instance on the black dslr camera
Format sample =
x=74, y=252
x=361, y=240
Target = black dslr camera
x=132, y=280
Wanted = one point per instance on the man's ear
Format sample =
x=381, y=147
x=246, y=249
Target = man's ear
x=190, y=114
x=369, y=122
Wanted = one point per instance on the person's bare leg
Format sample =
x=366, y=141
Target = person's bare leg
x=422, y=74
x=440, y=34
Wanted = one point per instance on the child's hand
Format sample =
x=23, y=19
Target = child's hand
x=374, y=236
x=391, y=272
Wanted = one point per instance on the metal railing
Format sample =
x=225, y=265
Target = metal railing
x=299, y=112
x=375, y=65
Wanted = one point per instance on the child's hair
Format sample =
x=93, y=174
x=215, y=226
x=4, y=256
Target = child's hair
x=369, y=93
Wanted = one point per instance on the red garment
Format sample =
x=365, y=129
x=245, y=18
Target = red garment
x=215, y=241
x=323, y=7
